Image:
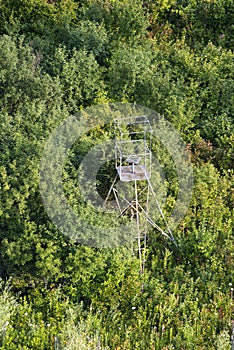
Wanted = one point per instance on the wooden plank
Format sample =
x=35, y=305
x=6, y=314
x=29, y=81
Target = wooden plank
x=126, y=173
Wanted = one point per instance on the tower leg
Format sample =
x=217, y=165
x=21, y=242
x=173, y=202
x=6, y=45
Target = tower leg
x=141, y=224
x=111, y=188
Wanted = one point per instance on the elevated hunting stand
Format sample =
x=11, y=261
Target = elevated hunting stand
x=133, y=163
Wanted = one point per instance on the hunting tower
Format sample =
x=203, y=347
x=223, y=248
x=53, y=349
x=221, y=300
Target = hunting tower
x=133, y=162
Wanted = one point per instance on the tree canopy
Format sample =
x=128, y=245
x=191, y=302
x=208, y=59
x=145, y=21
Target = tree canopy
x=59, y=58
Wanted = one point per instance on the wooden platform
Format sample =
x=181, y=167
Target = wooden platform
x=126, y=174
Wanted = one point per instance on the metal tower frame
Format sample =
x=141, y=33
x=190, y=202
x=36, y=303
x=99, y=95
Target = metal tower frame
x=133, y=162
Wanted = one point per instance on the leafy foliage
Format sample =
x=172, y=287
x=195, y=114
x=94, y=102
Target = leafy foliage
x=58, y=57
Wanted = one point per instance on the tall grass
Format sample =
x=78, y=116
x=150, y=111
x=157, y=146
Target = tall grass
x=8, y=305
x=82, y=335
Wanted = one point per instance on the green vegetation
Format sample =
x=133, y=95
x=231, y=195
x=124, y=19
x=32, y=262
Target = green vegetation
x=57, y=58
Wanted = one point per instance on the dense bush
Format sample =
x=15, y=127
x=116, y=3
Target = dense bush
x=57, y=58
